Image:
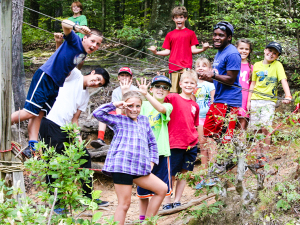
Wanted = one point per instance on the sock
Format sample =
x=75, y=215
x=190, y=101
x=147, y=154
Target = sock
x=142, y=217
x=101, y=134
x=31, y=144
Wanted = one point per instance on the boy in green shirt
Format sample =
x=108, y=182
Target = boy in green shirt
x=77, y=18
x=158, y=113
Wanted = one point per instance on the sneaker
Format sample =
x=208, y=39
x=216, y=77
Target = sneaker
x=61, y=211
x=28, y=152
x=97, y=143
x=167, y=206
x=176, y=204
x=102, y=203
x=200, y=185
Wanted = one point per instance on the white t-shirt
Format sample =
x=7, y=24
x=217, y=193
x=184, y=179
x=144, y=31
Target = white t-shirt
x=117, y=93
x=71, y=97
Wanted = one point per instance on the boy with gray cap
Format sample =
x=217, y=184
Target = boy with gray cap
x=265, y=78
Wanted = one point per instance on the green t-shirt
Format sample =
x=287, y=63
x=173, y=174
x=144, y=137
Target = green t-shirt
x=81, y=21
x=159, y=125
x=267, y=77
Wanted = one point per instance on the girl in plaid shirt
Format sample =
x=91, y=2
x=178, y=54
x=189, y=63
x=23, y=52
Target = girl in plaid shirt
x=132, y=154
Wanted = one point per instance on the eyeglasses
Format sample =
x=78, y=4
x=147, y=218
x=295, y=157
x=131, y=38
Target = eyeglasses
x=164, y=87
x=222, y=27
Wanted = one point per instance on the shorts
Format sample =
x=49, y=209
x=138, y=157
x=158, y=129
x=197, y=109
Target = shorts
x=175, y=78
x=123, y=178
x=42, y=93
x=201, y=121
x=262, y=113
x=162, y=171
x=243, y=113
x=214, y=122
x=182, y=159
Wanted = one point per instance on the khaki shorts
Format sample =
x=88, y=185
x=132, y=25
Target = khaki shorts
x=261, y=114
x=175, y=78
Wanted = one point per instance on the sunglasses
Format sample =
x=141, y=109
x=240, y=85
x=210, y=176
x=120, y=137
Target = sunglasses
x=164, y=87
x=222, y=27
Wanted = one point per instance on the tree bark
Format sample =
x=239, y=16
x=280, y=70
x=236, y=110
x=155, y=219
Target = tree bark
x=161, y=11
x=103, y=25
x=58, y=11
x=118, y=16
x=18, y=73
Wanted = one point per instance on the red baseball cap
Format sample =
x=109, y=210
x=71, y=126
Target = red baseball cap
x=125, y=70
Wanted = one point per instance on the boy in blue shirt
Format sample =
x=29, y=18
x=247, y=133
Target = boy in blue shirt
x=50, y=76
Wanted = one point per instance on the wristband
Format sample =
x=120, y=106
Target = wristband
x=74, y=27
x=214, y=76
x=290, y=97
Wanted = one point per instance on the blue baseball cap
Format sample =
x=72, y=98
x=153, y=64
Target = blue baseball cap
x=161, y=78
x=226, y=24
x=275, y=45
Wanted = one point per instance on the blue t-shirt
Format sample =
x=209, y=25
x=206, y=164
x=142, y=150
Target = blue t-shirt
x=65, y=59
x=228, y=59
x=203, y=98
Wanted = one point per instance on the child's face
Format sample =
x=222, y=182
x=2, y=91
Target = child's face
x=202, y=67
x=133, y=110
x=159, y=91
x=124, y=77
x=95, y=80
x=188, y=85
x=271, y=54
x=179, y=21
x=91, y=43
x=244, y=50
x=76, y=9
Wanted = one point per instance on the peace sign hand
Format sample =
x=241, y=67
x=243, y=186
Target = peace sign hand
x=123, y=105
x=143, y=86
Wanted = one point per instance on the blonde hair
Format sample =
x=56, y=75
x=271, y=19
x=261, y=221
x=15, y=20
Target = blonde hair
x=132, y=94
x=189, y=74
x=179, y=11
x=204, y=61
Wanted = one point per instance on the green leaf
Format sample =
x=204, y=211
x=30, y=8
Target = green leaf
x=97, y=216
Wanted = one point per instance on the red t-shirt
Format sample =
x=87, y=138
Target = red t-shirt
x=179, y=42
x=183, y=122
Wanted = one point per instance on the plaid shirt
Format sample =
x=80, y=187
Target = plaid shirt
x=133, y=146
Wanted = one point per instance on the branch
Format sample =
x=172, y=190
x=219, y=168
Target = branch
x=52, y=208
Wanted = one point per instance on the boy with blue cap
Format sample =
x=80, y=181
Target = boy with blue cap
x=158, y=113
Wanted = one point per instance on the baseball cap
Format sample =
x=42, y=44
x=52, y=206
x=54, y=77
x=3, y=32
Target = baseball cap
x=161, y=78
x=125, y=70
x=226, y=24
x=275, y=45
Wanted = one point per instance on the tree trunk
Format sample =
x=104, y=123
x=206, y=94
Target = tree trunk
x=58, y=12
x=18, y=73
x=161, y=11
x=103, y=16
x=33, y=16
x=118, y=16
x=298, y=41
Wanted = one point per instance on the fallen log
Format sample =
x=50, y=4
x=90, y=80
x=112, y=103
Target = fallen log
x=98, y=152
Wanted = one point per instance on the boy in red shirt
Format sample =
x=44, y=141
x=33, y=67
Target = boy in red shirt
x=180, y=44
x=183, y=134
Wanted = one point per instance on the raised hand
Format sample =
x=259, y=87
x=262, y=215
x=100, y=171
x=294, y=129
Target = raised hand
x=143, y=86
x=206, y=45
x=58, y=37
x=123, y=105
x=153, y=49
x=82, y=29
x=125, y=85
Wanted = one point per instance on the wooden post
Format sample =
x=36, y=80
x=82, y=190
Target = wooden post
x=6, y=93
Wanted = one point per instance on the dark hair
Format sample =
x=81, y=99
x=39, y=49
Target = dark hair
x=95, y=31
x=246, y=41
x=78, y=4
x=179, y=11
x=104, y=74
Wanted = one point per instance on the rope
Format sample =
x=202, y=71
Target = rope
x=231, y=85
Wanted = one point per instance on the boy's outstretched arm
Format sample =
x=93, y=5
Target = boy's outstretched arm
x=165, y=52
x=196, y=50
x=287, y=91
x=68, y=26
x=143, y=89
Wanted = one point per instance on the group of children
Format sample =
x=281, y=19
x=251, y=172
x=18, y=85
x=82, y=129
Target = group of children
x=155, y=139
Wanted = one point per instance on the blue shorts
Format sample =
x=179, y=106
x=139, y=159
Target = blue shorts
x=162, y=171
x=183, y=159
x=41, y=94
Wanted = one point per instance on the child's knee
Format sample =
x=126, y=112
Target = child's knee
x=124, y=206
x=163, y=189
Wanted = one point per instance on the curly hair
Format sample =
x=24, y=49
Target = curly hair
x=179, y=11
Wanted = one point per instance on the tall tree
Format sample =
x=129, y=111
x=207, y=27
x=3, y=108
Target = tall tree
x=103, y=25
x=33, y=16
x=18, y=73
x=161, y=21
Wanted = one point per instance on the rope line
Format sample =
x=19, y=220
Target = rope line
x=231, y=85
